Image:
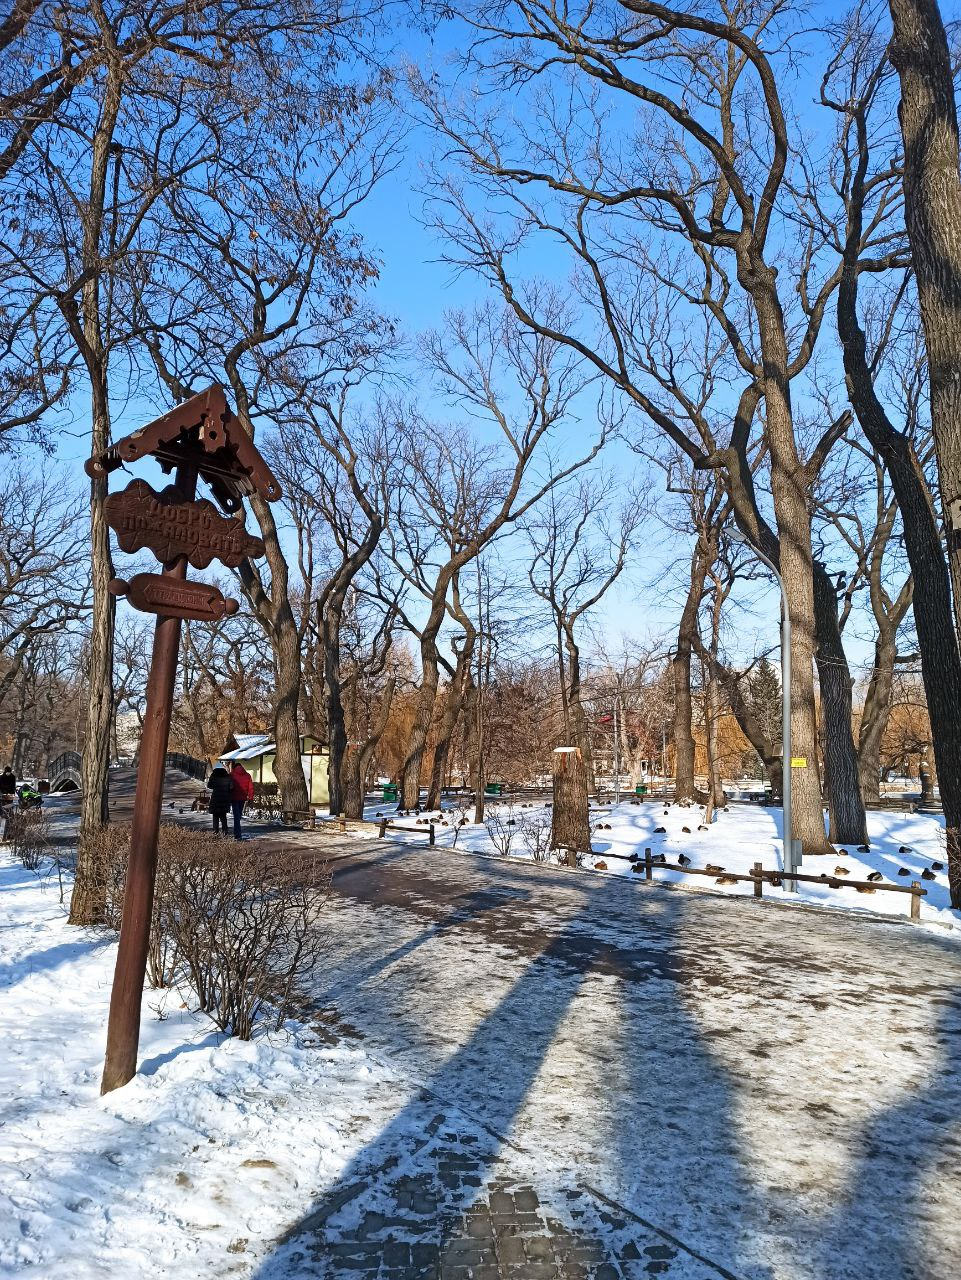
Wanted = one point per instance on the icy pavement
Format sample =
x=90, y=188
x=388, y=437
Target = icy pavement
x=778, y=1090
x=509, y=1072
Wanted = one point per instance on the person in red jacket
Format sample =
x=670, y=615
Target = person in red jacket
x=243, y=790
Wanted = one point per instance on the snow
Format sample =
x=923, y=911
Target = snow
x=200, y=1165
x=740, y=835
x=202, y=1160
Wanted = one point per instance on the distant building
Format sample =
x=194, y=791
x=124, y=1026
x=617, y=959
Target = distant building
x=256, y=752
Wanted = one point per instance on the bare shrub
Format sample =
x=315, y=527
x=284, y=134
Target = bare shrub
x=104, y=851
x=503, y=828
x=28, y=833
x=237, y=920
x=535, y=829
x=459, y=812
x=244, y=924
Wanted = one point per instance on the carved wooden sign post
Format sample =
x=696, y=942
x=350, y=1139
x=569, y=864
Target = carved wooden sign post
x=201, y=438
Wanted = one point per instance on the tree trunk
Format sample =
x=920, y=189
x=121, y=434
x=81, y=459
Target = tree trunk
x=687, y=638
x=933, y=616
x=409, y=797
x=453, y=706
x=843, y=789
x=277, y=620
x=715, y=785
x=874, y=718
x=357, y=760
x=570, y=823
x=86, y=326
x=932, y=207
x=578, y=717
x=336, y=716
x=790, y=487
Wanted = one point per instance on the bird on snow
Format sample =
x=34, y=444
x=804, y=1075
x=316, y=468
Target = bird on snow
x=905, y=848
x=865, y=888
x=937, y=866
x=903, y=871
x=841, y=871
x=660, y=831
x=686, y=830
x=713, y=869
x=875, y=876
x=928, y=875
x=864, y=848
x=683, y=860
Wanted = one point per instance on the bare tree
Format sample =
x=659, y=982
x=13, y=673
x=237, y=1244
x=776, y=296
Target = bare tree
x=581, y=539
x=710, y=175
x=464, y=496
x=932, y=206
x=865, y=187
x=43, y=582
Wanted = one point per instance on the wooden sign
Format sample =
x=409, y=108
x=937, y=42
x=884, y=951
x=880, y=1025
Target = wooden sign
x=170, y=527
x=204, y=432
x=173, y=598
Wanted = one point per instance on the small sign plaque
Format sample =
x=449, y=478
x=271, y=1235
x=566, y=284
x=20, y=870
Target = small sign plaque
x=174, y=597
x=799, y=762
x=170, y=527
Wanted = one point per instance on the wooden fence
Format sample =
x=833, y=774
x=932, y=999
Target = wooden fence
x=758, y=876
x=384, y=824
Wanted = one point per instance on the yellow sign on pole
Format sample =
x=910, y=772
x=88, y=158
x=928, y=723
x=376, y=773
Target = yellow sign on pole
x=799, y=762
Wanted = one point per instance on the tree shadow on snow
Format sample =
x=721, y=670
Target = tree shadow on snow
x=504, y=1055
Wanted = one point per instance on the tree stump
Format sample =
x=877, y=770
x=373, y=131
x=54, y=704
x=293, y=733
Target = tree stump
x=570, y=825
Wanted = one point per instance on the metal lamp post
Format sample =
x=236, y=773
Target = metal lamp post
x=787, y=857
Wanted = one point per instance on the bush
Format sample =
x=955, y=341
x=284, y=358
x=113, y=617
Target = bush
x=243, y=924
x=536, y=835
x=502, y=827
x=28, y=834
x=236, y=920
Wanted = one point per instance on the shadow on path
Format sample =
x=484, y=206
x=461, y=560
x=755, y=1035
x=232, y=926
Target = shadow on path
x=417, y=1182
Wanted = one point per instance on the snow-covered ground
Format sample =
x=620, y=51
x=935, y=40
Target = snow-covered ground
x=739, y=836
x=213, y=1149
x=625, y=1047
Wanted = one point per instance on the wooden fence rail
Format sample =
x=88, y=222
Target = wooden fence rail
x=399, y=826
x=758, y=875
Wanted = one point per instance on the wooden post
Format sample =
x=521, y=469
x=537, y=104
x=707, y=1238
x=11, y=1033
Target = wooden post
x=915, y=899
x=570, y=822
x=648, y=865
x=430, y=837
x=758, y=880
x=123, y=1025
x=341, y=823
x=382, y=829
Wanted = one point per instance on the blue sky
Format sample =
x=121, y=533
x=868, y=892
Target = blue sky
x=415, y=288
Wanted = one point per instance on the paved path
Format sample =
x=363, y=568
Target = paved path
x=608, y=1080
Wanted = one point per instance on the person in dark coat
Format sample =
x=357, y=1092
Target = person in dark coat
x=8, y=786
x=221, y=795
x=243, y=791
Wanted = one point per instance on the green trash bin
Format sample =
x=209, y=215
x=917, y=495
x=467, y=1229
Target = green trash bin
x=640, y=790
x=390, y=790
x=494, y=789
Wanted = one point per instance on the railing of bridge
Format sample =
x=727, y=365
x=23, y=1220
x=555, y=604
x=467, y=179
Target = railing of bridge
x=189, y=765
x=64, y=762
